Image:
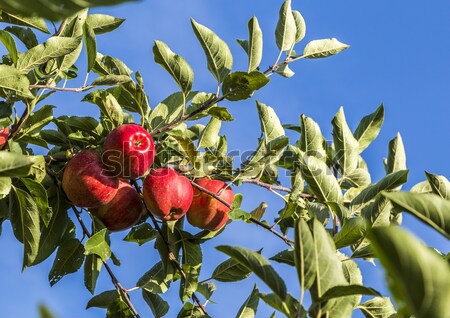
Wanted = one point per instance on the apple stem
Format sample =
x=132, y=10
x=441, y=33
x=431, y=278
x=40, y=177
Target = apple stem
x=167, y=245
x=252, y=219
x=123, y=291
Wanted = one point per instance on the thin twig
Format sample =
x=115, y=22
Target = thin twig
x=167, y=245
x=65, y=89
x=115, y=281
x=252, y=219
x=16, y=128
x=185, y=117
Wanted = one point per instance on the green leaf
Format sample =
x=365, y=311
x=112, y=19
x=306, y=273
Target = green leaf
x=389, y=182
x=351, y=232
x=242, y=85
x=311, y=139
x=369, y=128
x=305, y=262
x=286, y=31
x=289, y=307
x=348, y=290
x=220, y=113
x=300, y=26
x=56, y=10
x=5, y=186
x=141, y=233
x=54, y=47
x=110, y=80
x=92, y=267
x=17, y=19
x=428, y=208
x=323, y=48
x=418, y=278
x=25, y=35
x=10, y=45
x=175, y=65
x=103, y=23
x=320, y=179
x=329, y=273
x=270, y=123
x=346, y=146
x=255, y=45
x=69, y=259
x=44, y=312
x=250, y=305
x=230, y=271
x=98, y=245
x=37, y=121
x=108, y=104
x=25, y=224
x=218, y=54
x=439, y=185
x=258, y=265
x=191, y=263
x=13, y=84
x=210, y=134
x=119, y=309
x=158, y=306
x=285, y=71
x=74, y=28
x=285, y=257
x=396, y=159
x=155, y=280
x=206, y=289
x=40, y=197
x=168, y=110
x=91, y=45
x=103, y=300
x=378, y=307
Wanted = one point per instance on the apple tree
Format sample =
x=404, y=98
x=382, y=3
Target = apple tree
x=150, y=171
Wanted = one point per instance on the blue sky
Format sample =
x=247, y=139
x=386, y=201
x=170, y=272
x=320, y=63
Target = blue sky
x=398, y=56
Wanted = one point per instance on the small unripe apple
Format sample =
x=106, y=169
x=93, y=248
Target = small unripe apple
x=85, y=181
x=123, y=211
x=167, y=194
x=207, y=212
x=4, y=132
x=128, y=151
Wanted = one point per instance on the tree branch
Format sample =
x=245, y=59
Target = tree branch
x=167, y=245
x=185, y=117
x=252, y=219
x=65, y=89
x=115, y=281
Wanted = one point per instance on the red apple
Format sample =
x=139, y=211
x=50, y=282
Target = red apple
x=167, y=194
x=207, y=212
x=123, y=211
x=85, y=181
x=4, y=132
x=128, y=151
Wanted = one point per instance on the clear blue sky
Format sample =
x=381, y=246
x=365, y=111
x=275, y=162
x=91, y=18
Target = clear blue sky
x=399, y=55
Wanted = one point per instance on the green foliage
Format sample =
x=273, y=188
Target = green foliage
x=330, y=181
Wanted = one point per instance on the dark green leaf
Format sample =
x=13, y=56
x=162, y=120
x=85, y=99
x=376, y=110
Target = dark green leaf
x=10, y=45
x=351, y=232
x=304, y=258
x=220, y=113
x=103, y=23
x=230, y=271
x=44, y=312
x=250, y=305
x=378, y=307
x=158, y=306
x=155, y=280
x=290, y=307
x=439, y=185
x=13, y=84
x=17, y=19
x=285, y=256
x=191, y=263
x=347, y=290
x=25, y=35
x=103, y=300
x=119, y=309
x=242, y=85
x=141, y=233
x=25, y=223
x=69, y=259
x=92, y=267
x=346, y=146
x=91, y=45
x=206, y=289
x=39, y=195
x=111, y=79
x=258, y=265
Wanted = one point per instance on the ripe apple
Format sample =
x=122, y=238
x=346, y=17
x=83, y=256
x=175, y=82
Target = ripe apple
x=128, y=151
x=85, y=181
x=167, y=194
x=123, y=211
x=4, y=132
x=207, y=212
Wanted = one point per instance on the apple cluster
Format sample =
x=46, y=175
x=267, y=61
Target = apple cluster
x=100, y=184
